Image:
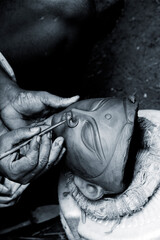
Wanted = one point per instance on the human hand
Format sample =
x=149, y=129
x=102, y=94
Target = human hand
x=10, y=192
x=31, y=107
x=34, y=159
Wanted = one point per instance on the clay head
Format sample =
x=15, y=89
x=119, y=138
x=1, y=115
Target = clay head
x=97, y=134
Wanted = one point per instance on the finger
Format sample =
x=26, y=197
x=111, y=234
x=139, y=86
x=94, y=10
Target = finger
x=12, y=186
x=24, y=150
x=15, y=136
x=56, y=101
x=19, y=191
x=27, y=163
x=43, y=157
x=60, y=156
x=7, y=199
x=4, y=190
x=45, y=150
x=6, y=165
x=55, y=153
x=55, y=150
x=7, y=204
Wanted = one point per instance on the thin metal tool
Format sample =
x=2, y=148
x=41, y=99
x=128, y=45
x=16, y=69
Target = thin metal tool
x=29, y=140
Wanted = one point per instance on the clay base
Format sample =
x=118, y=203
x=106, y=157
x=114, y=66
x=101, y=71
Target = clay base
x=143, y=225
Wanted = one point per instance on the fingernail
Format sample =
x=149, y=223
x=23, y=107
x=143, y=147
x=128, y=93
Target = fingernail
x=63, y=150
x=49, y=135
x=59, y=142
x=60, y=157
x=38, y=139
x=76, y=97
x=34, y=129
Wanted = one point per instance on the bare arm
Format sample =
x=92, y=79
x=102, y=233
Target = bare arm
x=8, y=89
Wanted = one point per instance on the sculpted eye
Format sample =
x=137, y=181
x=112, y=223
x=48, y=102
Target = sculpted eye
x=91, y=139
x=96, y=105
x=88, y=137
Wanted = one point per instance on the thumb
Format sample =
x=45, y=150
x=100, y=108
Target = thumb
x=15, y=136
x=56, y=101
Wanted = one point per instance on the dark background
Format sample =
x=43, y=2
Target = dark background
x=118, y=55
x=127, y=60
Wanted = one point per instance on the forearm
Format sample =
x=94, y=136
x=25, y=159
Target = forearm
x=8, y=88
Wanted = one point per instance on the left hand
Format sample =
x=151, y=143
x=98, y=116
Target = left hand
x=31, y=107
x=34, y=159
x=10, y=192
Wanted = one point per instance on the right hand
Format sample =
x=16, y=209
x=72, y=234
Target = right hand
x=38, y=156
x=21, y=108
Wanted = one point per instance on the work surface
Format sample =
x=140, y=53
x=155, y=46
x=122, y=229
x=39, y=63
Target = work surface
x=125, y=61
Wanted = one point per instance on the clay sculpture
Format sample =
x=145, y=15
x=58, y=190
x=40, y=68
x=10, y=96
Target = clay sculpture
x=98, y=136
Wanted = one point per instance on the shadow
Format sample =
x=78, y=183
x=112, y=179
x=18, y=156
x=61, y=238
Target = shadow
x=135, y=146
x=63, y=73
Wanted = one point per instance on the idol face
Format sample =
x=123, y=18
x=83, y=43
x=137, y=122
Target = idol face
x=97, y=134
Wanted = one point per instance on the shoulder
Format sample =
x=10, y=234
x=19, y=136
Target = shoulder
x=70, y=9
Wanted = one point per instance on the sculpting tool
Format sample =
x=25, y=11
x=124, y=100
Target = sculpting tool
x=26, y=142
